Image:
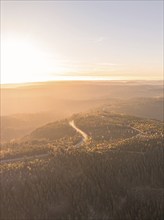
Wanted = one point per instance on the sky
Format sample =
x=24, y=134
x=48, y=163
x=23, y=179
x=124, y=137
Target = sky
x=81, y=40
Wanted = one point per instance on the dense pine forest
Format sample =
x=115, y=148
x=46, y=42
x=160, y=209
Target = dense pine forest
x=117, y=173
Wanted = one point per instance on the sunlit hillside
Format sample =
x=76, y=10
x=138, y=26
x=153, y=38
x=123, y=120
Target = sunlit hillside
x=56, y=174
x=69, y=97
x=25, y=108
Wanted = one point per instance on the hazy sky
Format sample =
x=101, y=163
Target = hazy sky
x=46, y=40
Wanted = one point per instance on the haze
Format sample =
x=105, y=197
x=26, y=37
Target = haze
x=81, y=121
x=81, y=40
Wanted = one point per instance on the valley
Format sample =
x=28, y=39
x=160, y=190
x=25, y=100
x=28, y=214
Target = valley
x=101, y=161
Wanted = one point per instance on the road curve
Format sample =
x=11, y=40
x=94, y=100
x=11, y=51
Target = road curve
x=138, y=130
x=19, y=159
x=82, y=141
x=82, y=133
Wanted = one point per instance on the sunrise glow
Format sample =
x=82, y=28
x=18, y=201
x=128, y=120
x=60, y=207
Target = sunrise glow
x=56, y=43
x=23, y=62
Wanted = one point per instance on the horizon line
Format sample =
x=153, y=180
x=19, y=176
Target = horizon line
x=77, y=80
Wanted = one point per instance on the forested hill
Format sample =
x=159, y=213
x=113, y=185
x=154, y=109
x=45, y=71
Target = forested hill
x=116, y=174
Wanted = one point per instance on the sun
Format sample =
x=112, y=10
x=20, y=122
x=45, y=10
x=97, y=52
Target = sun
x=22, y=61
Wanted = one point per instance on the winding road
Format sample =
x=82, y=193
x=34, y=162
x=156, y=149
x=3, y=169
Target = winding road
x=82, y=141
x=83, y=134
x=19, y=159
